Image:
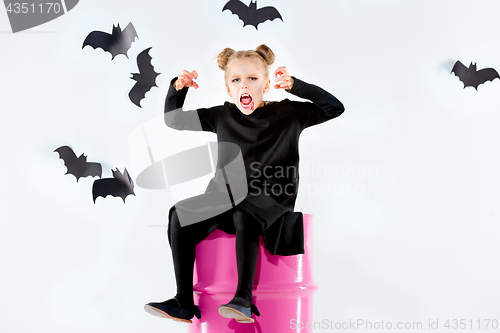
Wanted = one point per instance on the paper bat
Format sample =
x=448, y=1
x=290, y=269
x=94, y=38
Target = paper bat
x=250, y=15
x=146, y=78
x=118, y=42
x=471, y=76
x=78, y=166
x=121, y=185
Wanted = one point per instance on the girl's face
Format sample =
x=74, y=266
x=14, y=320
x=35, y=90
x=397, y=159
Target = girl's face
x=246, y=84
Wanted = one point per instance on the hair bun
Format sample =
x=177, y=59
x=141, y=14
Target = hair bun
x=266, y=53
x=223, y=57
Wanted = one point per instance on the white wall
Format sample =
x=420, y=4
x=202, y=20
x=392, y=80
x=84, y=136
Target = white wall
x=406, y=219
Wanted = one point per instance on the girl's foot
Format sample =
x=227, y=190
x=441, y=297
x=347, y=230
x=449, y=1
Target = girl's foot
x=172, y=309
x=237, y=310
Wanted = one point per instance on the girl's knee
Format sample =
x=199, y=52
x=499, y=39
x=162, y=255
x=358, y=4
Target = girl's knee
x=243, y=222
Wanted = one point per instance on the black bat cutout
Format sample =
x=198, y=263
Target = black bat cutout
x=118, y=42
x=121, y=185
x=146, y=78
x=471, y=77
x=250, y=15
x=78, y=166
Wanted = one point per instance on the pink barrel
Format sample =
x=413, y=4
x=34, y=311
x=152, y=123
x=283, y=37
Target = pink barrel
x=283, y=287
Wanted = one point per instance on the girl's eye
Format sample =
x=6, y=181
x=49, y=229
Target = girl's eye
x=253, y=78
x=236, y=80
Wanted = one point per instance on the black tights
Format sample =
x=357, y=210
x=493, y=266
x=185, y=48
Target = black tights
x=183, y=241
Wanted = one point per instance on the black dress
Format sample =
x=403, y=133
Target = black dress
x=269, y=142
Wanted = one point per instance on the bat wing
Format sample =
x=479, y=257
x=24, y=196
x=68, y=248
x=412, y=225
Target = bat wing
x=93, y=169
x=146, y=68
x=239, y=8
x=105, y=187
x=138, y=92
x=78, y=166
x=99, y=39
x=146, y=79
x=463, y=73
x=459, y=69
x=267, y=13
x=121, y=185
x=70, y=160
x=125, y=39
x=487, y=74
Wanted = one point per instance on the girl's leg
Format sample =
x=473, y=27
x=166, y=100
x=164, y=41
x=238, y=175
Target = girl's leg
x=247, y=251
x=183, y=241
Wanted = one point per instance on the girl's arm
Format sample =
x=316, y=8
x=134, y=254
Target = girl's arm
x=323, y=106
x=196, y=120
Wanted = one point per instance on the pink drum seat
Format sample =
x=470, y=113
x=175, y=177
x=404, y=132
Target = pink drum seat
x=283, y=285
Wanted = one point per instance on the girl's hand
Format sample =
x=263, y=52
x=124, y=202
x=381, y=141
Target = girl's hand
x=283, y=79
x=186, y=79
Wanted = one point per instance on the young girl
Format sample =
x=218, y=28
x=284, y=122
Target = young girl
x=267, y=133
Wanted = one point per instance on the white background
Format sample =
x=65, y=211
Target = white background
x=406, y=220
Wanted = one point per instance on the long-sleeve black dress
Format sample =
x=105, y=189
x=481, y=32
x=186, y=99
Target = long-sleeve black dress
x=269, y=142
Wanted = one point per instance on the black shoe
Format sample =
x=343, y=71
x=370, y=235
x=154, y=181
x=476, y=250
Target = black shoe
x=172, y=309
x=240, y=313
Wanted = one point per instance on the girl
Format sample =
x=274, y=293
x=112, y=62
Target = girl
x=267, y=133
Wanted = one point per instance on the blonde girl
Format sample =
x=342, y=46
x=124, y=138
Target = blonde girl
x=267, y=134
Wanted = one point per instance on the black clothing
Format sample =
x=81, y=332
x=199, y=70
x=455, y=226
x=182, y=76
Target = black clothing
x=269, y=143
x=183, y=241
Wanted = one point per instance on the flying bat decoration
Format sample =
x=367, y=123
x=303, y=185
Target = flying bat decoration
x=250, y=15
x=118, y=42
x=78, y=166
x=121, y=185
x=471, y=77
x=146, y=78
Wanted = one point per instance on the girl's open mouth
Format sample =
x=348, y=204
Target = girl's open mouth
x=246, y=101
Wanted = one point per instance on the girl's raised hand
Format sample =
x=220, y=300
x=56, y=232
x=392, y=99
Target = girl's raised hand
x=283, y=79
x=186, y=79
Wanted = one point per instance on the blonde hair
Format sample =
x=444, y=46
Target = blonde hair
x=263, y=55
